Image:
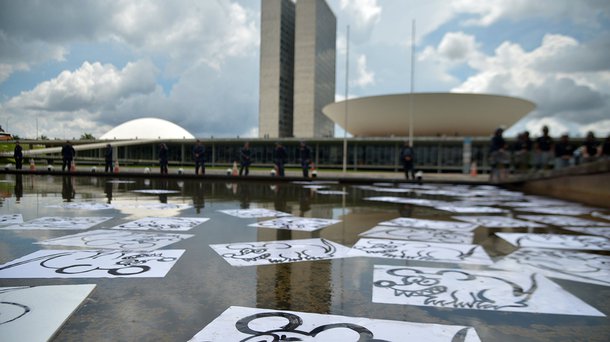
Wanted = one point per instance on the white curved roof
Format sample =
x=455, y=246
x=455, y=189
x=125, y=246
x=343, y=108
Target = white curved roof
x=434, y=114
x=147, y=128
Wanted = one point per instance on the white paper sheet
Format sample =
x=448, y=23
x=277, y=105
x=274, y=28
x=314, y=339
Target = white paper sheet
x=60, y=223
x=315, y=186
x=430, y=224
x=279, y=252
x=557, y=241
x=405, y=200
x=117, y=240
x=421, y=251
x=383, y=189
x=419, y=234
x=575, y=210
x=156, y=191
x=83, y=206
x=499, y=221
x=153, y=206
x=471, y=209
x=479, y=290
x=36, y=313
x=599, y=231
x=167, y=224
x=250, y=324
x=331, y=192
x=91, y=264
x=306, y=224
x=561, y=220
x=11, y=219
x=601, y=215
x=576, y=266
x=254, y=213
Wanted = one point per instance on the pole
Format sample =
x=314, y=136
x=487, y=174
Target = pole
x=346, y=98
x=412, y=96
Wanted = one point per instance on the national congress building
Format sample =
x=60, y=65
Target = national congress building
x=297, y=68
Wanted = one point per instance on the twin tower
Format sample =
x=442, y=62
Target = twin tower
x=297, y=68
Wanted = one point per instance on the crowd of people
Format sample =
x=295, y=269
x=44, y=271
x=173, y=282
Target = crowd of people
x=542, y=153
x=523, y=155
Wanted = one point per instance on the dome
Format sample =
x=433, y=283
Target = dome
x=147, y=128
x=434, y=114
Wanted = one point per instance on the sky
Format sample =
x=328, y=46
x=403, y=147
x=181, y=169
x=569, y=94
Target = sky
x=69, y=67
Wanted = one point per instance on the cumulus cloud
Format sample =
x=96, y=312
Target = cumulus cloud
x=33, y=32
x=179, y=62
x=566, y=94
x=93, y=87
x=362, y=15
x=488, y=12
x=364, y=76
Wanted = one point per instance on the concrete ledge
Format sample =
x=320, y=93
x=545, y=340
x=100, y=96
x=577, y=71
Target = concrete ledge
x=587, y=183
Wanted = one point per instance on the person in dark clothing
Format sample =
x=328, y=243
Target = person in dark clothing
x=564, y=151
x=407, y=158
x=606, y=148
x=199, y=157
x=245, y=159
x=108, y=158
x=522, y=149
x=305, y=158
x=498, y=156
x=590, y=148
x=68, y=153
x=279, y=158
x=18, y=155
x=543, y=150
x=163, y=158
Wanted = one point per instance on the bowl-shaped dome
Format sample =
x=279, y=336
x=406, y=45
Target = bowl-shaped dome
x=147, y=128
x=433, y=114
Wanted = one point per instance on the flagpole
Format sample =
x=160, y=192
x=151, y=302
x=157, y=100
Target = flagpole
x=412, y=96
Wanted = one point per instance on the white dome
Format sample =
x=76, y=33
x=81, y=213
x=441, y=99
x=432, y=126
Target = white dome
x=147, y=128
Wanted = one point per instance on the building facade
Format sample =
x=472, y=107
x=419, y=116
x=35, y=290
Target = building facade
x=297, y=68
x=276, y=82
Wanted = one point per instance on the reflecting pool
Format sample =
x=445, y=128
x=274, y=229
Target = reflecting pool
x=202, y=284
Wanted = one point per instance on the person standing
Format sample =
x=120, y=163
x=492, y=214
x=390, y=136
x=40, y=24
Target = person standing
x=108, y=158
x=245, y=159
x=407, y=158
x=605, y=153
x=591, y=149
x=279, y=158
x=67, y=153
x=305, y=158
x=199, y=157
x=498, y=156
x=564, y=150
x=18, y=155
x=163, y=158
x=543, y=150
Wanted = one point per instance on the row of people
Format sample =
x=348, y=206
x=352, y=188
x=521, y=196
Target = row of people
x=542, y=152
x=280, y=158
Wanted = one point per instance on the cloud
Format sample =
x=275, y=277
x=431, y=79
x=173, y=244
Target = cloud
x=457, y=46
x=33, y=32
x=486, y=13
x=362, y=16
x=364, y=77
x=93, y=87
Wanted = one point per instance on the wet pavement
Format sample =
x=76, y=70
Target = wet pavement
x=201, y=284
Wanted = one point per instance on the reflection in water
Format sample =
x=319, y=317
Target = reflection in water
x=198, y=197
x=18, y=187
x=202, y=284
x=67, y=190
x=108, y=191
